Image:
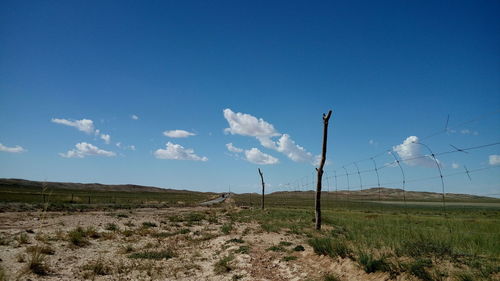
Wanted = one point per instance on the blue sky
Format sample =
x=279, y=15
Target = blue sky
x=389, y=70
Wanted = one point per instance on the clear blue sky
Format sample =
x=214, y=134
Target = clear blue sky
x=388, y=69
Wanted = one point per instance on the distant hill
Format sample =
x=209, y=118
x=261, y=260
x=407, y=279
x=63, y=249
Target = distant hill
x=27, y=184
x=393, y=194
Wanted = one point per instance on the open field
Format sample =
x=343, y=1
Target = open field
x=234, y=241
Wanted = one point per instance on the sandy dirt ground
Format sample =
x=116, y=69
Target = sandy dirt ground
x=197, y=247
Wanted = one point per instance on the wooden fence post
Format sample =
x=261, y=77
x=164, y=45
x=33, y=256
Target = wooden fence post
x=326, y=118
x=263, y=187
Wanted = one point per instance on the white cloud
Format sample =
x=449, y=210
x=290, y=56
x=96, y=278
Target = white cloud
x=134, y=117
x=256, y=156
x=248, y=125
x=106, y=138
x=178, y=134
x=84, y=149
x=15, y=149
x=469, y=132
x=232, y=148
x=178, y=152
x=372, y=142
x=455, y=165
x=410, y=149
x=84, y=125
x=125, y=147
x=494, y=159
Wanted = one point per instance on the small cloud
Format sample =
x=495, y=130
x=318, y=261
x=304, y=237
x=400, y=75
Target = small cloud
x=248, y=125
x=409, y=150
x=256, y=156
x=178, y=134
x=177, y=152
x=106, y=138
x=469, y=132
x=455, y=165
x=232, y=148
x=84, y=149
x=84, y=125
x=134, y=117
x=371, y=142
x=125, y=147
x=15, y=149
x=494, y=160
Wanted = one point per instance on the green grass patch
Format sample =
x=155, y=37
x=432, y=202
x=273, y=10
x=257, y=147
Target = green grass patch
x=153, y=255
x=223, y=266
x=329, y=246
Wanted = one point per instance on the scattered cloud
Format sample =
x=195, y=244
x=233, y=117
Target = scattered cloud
x=256, y=156
x=106, y=138
x=455, y=165
x=177, y=152
x=410, y=149
x=248, y=125
x=84, y=149
x=232, y=148
x=372, y=142
x=134, y=117
x=494, y=159
x=178, y=134
x=15, y=149
x=469, y=132
x=125, y=147
x=84, y=125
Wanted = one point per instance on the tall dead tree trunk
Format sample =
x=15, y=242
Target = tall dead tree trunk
x=326, y=118
x=263, y=187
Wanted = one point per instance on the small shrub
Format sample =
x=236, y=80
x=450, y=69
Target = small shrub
x=98, y=267
x=226, y=228
x=223, y=266
x=371, y=264
x=77, y=237
x=243, y=249
x=417, y=268
x=121, y=215
x=92, y=232
x=276, y=249
x=289, y=258
x=330, y=247
x=45, y=249
x=37, y=264
x=22, y=238
x=235, y=240
x=184, y=231
x=299, y=248
x=153, y=255
x=195, y=217
x=148, y=224
x=237, y=277
x=331, y=277
x=4, y=241
x=111, y=227
x=285, y=243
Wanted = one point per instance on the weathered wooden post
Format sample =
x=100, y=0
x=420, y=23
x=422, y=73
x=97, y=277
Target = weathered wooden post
x=326, y=118
x=263, y=187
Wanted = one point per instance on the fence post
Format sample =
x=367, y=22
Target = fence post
x=326, y=118
x=263, y=187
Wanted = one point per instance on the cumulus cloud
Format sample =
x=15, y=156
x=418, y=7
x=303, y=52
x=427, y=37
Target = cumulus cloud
x=455, y=165
x=178, y=134
x=256, y=156
x=248, y=125
x=410, y=149
x=232, y=148
x=178, y=152
x=84, y=125
x=106, y=138
x=134, y=117
x=84, y=149
x=494, y=159
x=15, y=149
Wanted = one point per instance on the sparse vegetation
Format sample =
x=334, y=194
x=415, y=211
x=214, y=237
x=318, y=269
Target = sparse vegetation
x=226, y=228
x=299, y=248
x=77, y=237
x=112, y=227
x=98, y=267
x=153, y=255
x=22, y=238
x=37, y=263
x=223, y=266
x=371, y=264
x=44, y=249
x=148, y=224
x=243, y=249
x=329, y=246
x=289, y=258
